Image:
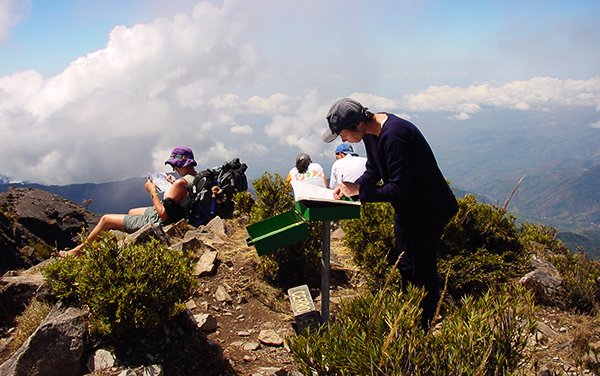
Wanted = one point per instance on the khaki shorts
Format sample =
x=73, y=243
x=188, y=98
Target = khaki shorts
x=132, y=223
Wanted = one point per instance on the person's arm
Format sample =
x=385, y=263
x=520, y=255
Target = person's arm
x=333, y=180
x=176, y=193
x=397, y=186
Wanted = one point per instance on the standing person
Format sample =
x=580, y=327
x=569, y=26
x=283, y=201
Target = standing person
x=348, y=166
x=307, y=171
x=399, y=155
x=171, y=209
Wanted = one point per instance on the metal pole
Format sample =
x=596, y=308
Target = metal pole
x=325, y=256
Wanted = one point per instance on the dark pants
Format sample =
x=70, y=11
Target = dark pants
x=419, y=238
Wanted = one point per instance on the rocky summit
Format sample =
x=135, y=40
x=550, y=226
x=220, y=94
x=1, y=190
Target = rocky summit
x=35, y=224
x=235, y=324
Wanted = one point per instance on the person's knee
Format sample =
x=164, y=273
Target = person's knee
x=110, y=222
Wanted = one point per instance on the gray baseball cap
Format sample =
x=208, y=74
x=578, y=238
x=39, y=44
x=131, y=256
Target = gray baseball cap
x=344, y=113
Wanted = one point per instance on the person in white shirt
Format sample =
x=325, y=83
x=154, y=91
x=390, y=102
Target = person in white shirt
x=348, y=166
x=307, y=171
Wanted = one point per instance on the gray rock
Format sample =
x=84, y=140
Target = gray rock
x=206, y=265
x=206, y=322
x=222, y=295
x=270, y=338
x=251, y=346
x=546, y=287
x=100, y=359
x=52, y=218
x=20, y=289
x=216, y=226
x=55, y=348
x=207, y=238
x=142, y=235
x=546, y=330
x=189, y=244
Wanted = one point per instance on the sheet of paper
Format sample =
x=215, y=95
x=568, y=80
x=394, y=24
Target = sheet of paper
x=160, y=179
x=306, y=191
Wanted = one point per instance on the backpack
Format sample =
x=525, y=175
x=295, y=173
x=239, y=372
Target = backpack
x=212, y=192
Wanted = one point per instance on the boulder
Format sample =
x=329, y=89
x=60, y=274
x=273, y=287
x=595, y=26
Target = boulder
x=55, y=348
x=33, y=220
x=545, y=282
x=52, y=218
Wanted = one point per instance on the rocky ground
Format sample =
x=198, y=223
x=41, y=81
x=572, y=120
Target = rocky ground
x=565, y=342
x=249, y=321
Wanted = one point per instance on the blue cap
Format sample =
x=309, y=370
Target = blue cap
x=346, y=149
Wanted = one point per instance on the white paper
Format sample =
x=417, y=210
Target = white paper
x=305, y=191
x=160, y=179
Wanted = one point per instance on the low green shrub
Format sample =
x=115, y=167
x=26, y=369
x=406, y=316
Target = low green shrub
x=298, y=263
x=580, y=281
x=481, y=248
x=136, y=286
x=580, y=275
x=380, y=335
x=243, y=202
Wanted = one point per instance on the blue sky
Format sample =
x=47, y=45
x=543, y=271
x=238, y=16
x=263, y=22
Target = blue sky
x=102, y=90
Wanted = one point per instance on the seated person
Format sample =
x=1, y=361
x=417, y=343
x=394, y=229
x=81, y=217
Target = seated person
x=171, y=209
x=348, y=166
x=307, y=171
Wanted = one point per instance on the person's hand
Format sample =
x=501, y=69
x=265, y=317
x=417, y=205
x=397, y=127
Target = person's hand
x=150, y=186
x=337, y=193
x=171, y=179
x=346, y=190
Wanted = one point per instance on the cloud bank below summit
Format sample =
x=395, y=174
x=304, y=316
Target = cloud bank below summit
x=195, y=80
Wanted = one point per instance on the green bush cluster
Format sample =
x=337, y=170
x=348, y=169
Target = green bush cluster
x=480, y=247
x=380, y=335
x=580, y=275
x=243, y=202
x=134, y=286
x=581, y=281
x=298, y=263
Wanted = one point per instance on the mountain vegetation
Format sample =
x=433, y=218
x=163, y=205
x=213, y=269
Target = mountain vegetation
x=488, y=322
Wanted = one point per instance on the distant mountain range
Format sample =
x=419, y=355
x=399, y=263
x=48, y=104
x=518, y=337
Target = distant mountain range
x=111, y=197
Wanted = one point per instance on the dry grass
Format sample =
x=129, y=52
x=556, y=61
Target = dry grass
x=27, y=323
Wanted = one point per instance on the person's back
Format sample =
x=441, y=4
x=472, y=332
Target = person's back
x=348, y=167
x=307, y=171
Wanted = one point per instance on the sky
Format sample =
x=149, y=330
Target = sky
x=102, y=90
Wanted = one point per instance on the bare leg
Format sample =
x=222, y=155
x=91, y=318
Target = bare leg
x=137, y=211
x=107, y=222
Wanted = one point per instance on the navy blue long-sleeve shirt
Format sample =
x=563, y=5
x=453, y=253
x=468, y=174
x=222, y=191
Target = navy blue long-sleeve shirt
x=413, y=182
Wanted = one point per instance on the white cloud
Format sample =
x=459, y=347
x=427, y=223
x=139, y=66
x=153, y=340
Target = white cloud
x=539, y=93
x=204, y=79
x=155, y=85
x=242, y=129
x=461, y=116
x=595, y=125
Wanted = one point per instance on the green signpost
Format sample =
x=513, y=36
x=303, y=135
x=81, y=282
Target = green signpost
x=282, y=230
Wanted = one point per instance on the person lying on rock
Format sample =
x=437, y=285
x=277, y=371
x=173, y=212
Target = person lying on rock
x=169, y=210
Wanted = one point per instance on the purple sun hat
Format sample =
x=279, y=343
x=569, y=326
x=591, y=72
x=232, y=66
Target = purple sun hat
x=181, y=156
